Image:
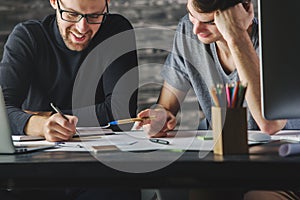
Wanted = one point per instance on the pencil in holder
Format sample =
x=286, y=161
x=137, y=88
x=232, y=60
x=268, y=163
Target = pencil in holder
x=230, y=130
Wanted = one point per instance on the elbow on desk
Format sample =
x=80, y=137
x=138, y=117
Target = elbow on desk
x=272, y=126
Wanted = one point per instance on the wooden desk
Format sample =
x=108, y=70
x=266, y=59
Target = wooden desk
x=70, y=169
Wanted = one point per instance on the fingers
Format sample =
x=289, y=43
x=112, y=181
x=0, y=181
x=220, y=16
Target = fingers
x=58, y=128
x=171, y=122
x=143, y=114
x=162, y=122
x=251, y=10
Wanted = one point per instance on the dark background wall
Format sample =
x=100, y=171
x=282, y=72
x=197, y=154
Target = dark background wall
x=141, y=13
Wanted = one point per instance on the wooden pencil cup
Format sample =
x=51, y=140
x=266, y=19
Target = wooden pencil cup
x=230, y=130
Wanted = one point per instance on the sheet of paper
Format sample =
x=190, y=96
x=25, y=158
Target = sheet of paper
x=139, y=141
x=83, y=132
x=136, y=141
x=289, y=135
x=92, y=131
x=26, y=138
x=39, y=142
x=178, y=140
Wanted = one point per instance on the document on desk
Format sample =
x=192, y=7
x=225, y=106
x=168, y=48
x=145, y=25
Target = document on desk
x=75, y=144
x=19, y=138
x=195, y=140
x=289, y=135
x=137, y=141
x=92, y=131
x=292, y=137
x=177, y=140
x=83, y=132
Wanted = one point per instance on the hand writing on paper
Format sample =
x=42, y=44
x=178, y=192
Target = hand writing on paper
x=57, y=128
x=158, y=126
x=54, y=128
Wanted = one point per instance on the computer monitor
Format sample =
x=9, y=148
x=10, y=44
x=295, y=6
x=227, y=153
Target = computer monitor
x=280, y=58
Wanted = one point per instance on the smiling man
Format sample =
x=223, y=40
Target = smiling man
x=42, y=59
x=40, y=64
x=75, y=32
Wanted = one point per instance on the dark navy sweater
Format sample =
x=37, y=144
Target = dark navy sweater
x=37, y=68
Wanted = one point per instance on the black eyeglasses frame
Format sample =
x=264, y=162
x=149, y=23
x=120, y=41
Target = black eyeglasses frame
x=86, y=16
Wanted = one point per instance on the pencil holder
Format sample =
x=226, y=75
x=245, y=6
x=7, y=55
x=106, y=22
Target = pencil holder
x=229, y=130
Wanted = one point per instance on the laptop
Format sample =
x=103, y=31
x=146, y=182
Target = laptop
x=6, y=143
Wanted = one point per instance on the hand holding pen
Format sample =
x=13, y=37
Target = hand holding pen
x=159, y=126
x=60, y=127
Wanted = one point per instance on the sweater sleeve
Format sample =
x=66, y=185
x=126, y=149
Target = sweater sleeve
x=15, y=76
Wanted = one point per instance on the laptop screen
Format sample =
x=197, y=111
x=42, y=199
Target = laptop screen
x=6, y=143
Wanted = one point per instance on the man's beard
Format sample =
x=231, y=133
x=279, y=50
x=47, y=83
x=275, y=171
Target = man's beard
x=76, y=46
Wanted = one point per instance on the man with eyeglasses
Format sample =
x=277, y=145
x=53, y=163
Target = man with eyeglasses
x=40, y=64
x=42, y=59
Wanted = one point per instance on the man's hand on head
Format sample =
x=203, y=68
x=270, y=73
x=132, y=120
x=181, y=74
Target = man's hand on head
x=234, y=21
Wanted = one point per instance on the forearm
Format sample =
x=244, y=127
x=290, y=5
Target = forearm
x=247, y=64
x=35, y=125
x=53, y=127
x=170, y=98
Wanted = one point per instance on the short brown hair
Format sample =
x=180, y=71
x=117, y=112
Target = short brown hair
x=207, y=6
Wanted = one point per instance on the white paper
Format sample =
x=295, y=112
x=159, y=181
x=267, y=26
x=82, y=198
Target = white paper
x=289, y=135
x=183, y=140
x=26, y=138
x=138, y=141
x=289, y=149
x=92, y=131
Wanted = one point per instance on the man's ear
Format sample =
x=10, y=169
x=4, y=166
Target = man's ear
x=53, y=4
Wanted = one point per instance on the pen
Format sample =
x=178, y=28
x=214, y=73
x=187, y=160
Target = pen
x=56, y=109
x=63, y=144
x=242, y=93
x=130, y=120
x=160, y=141
x=62, y=114
x=235, y=95
x=228, y=95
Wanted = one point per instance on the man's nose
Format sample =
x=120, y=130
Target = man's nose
x=82, y=25
x=197, y=27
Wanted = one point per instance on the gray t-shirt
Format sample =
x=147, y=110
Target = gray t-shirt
x=192, y=64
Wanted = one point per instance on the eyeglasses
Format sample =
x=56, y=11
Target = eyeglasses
x=75, y=17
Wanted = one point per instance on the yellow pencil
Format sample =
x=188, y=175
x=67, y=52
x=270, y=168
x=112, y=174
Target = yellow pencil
x=131, y=120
